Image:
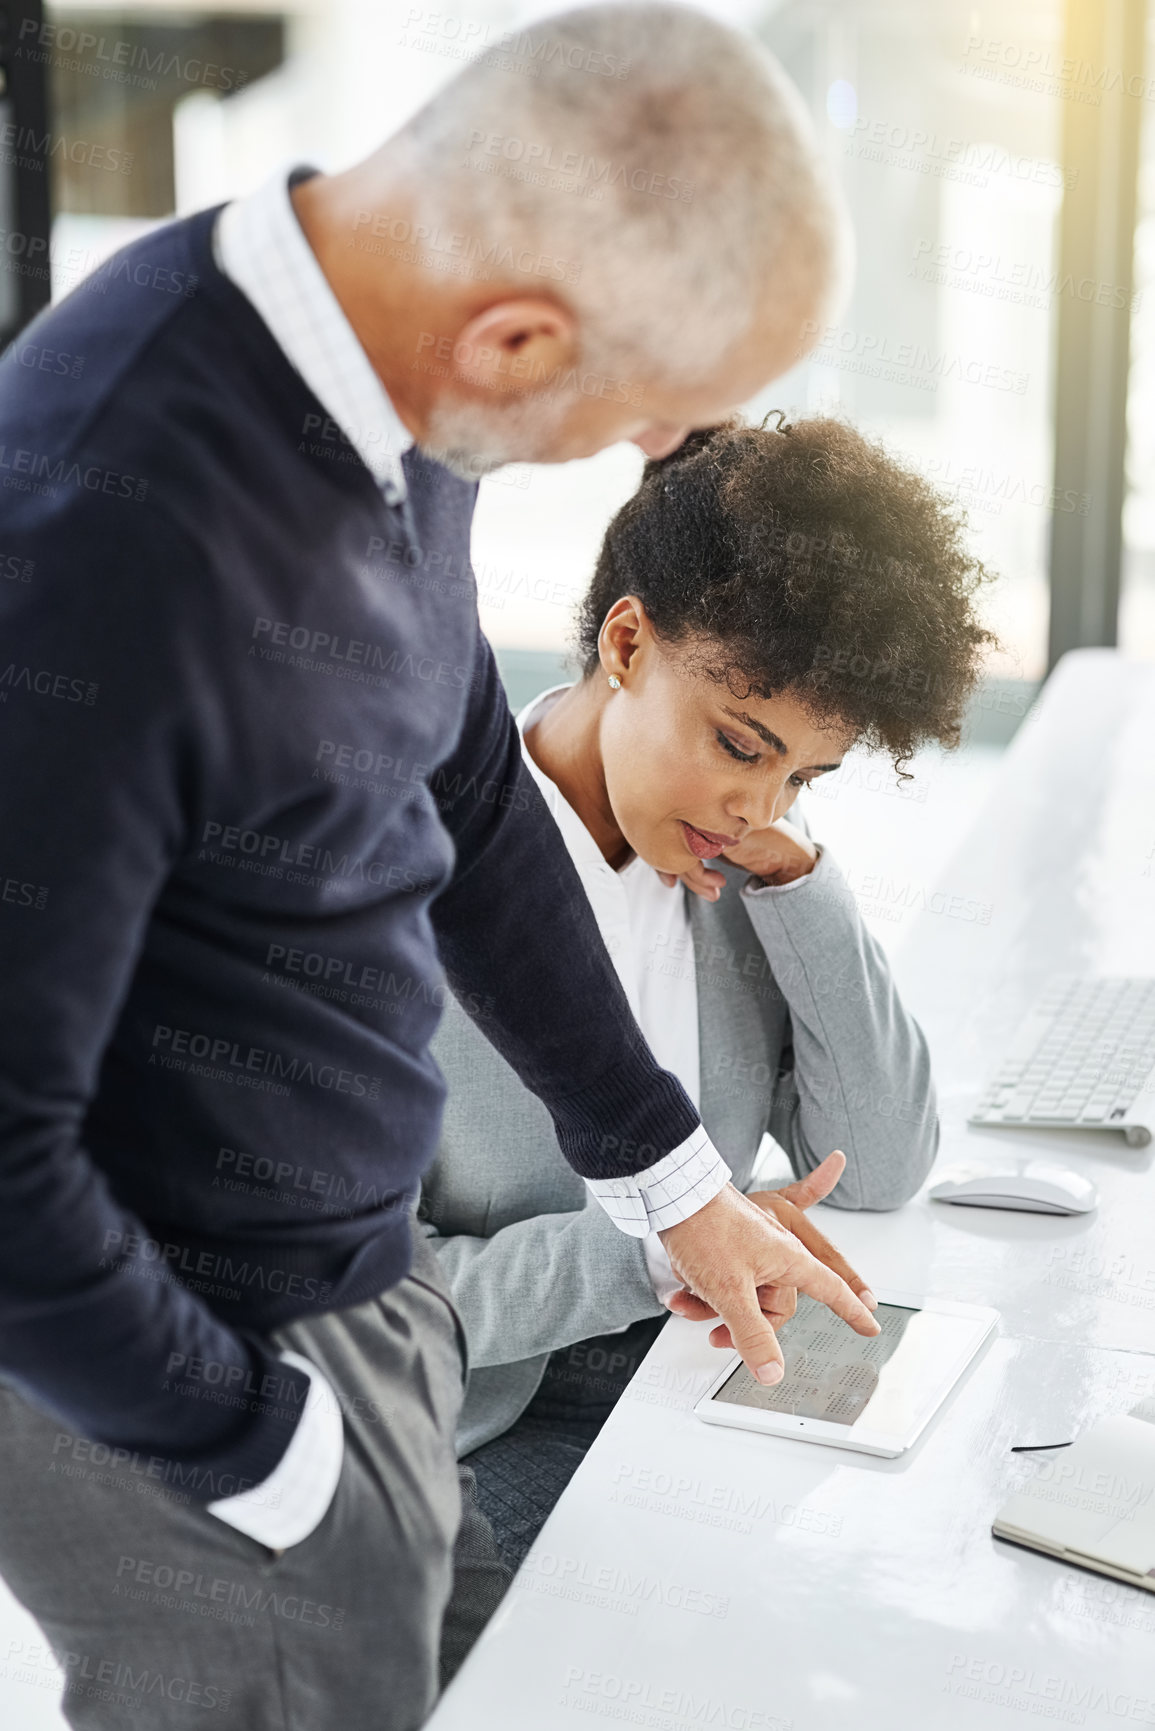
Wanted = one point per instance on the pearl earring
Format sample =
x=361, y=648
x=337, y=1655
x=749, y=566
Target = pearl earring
x=615, y=682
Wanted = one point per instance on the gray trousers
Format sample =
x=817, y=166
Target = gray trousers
x=164, y=1617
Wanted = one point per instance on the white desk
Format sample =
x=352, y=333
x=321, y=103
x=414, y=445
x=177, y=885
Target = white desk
x=695, y=1577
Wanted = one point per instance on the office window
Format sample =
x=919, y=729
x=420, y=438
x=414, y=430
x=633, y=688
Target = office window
x=119, y=79
x=1137, y=600
x=943, y=121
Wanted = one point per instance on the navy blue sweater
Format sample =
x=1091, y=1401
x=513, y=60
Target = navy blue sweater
x=256, y=768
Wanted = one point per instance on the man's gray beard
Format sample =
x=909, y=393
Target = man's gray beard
x=473, y=439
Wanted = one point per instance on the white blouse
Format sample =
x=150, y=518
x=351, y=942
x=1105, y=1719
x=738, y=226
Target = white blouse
x=645, y=926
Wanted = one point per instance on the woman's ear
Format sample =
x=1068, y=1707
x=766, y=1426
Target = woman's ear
x=623, y=631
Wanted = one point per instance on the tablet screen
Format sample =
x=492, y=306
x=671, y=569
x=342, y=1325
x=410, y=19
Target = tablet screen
x=833, y=1374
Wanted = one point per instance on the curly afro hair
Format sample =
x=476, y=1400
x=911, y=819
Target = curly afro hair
x=804, y=560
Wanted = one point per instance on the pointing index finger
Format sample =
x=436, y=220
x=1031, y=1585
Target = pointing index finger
x=830, y=1289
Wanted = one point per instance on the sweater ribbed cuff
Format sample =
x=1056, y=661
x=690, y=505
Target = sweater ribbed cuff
x=626, y=1121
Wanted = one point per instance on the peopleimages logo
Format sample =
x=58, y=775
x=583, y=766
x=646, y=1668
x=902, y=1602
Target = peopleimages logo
x=80, y=1453
x=29, y=471
x=269, y=854
x=119, y=61
x=15, y=139
x=875, y=355
x=212, y=1272
x=609, y=1587
x=489, y=256
x=525, y=51
x=44, y=682
x=538, y=158
x=1044, y=1693
x=216, y=1590
x=326, y=651
x=640, y=1701
x=36, y=358
x=224, y=1054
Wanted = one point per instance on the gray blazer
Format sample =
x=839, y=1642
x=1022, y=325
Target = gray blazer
x=801, y=1034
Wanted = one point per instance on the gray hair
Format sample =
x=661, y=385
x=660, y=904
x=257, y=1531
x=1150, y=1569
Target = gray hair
x=656, y=164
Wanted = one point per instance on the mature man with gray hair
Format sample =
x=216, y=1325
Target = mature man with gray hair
x=260, y=785
x=668, y=227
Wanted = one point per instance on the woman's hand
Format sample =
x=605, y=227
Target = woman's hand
x=777, y=855
x=704, y=882
x=788, y=1207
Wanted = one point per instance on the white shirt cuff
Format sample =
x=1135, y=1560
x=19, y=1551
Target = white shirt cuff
x=293, y=1501
x=662, y=1277
x=670, y=1191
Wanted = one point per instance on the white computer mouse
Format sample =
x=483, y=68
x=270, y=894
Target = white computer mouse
x=1032, y=1186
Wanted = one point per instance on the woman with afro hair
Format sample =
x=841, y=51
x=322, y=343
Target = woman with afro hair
x=769, y=598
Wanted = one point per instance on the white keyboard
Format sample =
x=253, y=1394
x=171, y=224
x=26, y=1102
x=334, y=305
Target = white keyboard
x=1084, y=1058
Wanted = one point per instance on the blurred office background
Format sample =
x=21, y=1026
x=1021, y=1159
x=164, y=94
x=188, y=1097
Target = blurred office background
x=999, y=161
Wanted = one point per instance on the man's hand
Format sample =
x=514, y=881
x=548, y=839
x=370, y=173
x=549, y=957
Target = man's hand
x=778, y=855
x=787, y=1205
x=730, y=1250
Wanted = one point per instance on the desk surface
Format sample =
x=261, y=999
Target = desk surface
x=693, y=1576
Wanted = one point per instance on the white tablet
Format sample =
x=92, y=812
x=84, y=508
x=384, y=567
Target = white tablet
x=875, y=1395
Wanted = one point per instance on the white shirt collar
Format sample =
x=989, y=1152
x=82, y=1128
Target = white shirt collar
x=261, y=247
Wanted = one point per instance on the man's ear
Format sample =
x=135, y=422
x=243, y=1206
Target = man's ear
x=515, y=347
